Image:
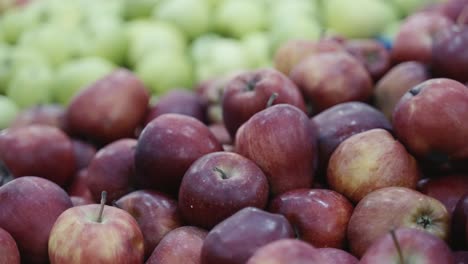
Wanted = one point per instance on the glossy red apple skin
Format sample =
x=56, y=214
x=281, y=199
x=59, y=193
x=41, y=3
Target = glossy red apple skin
x=416, y=247
x=396, y=82
x=180, y=101
x=112, y=170
x=414, y=39
x=327, y=79
x=341, y=121
x=9, y=253
x=368, y=161
x=49, y=114
x=448, y=189
x=337, y=256
x=83, y=152
x=449, y=53
x=38, y=150
x=181, y=245
x=79, y=200
x=281, y=141
x=427, y=114
x=308, y=211
x=109, y=109
x=29, y=206
x=219, y=184
x=167, y=147
x=393, y=207
x=227, y=243
x=249, y=93
x=156, y=214
x=77, y=237
x=460, y=224
x=372, y=54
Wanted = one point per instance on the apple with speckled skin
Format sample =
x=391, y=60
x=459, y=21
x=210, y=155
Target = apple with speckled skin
x=9, y=253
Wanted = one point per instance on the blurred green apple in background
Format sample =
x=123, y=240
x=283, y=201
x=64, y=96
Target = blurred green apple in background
x=8, y=111
x=294, y=27
x=163, y=70
x=237, y=18
x=280, y=10
x=193, y=17
x=257, y=49
x=138, y=8
x=16, y=21
x=77, y=74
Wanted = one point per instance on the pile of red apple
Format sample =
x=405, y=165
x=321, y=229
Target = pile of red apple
x=345, y=152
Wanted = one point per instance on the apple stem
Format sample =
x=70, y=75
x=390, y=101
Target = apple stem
x=222, y=173
x=101, y=208
x=397, y=245
x=271, y=100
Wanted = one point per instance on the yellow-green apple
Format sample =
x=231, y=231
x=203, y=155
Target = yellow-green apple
x=448, y=188
x=110, y=108
x=179, y=101
x=258, y=50
x=427, y=114
x=459, y=224
x=46, y=114
x=17, y=21
x=284, y=251
x=393, y=207
x=77, y=74
x=357, y=166
x=414, y=39
x=347, y=17
x=294, y=27
x=249, y=92
x=234, y=240
x=193, y=17
x=409, y=246
x=341, y=121
x=181, y=245
x=396, y=82
x=372, y=53
x=38, y=150
x=29, y=206
x=156, y=214
x=449, y=53
x=219, y=184
x=308, y=211
x=138, y=9
x=8, y=111
x=83, y=152
x=9, y=253
x=330, y=78
x=166, y=148
x=95, y=233
x=112, y=169
x=281, y=141
x=281, y=10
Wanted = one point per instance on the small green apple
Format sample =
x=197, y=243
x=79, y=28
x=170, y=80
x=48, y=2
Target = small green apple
x=16, y=21
x=294, y=27
x=136, y=9
x=145, y=36
x=257, y=48
x=280, y=10
x=161, y=71
x=5, y=65
x=31, y=85
x=237, y=18
x=358, y=18
x=8, y=111
x=76, y=74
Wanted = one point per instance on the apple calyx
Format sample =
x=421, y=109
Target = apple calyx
x=101, y=207
x=424, y=221
x=221, y=173
x=250, y=85
x=415, y=90
x=397, y=245
x=271, y=99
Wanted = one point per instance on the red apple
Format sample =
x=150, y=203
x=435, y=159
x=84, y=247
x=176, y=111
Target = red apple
x=250, y=92
x=454, y=8
x=167, y=147
x=281, y=141
x=220, y=132
x=79, y=200
x=218, y=185
x=308, y=211
x=38, y=150
x=396, y=82
x=409, y=246
x=234, y=240
x=49, y=114
x=29, y=206
x=327, y=79
x=337, y=256
x=393, y=207
x=109, y=109
x=9, y=253
x=95, y=234
x=181, y=245
x=112, y=169
x=461, y=256
x=79, y=186
x=83, y=152
x=460, y=224
x=156, y=214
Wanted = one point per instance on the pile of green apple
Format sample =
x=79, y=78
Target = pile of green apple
x=50, y=49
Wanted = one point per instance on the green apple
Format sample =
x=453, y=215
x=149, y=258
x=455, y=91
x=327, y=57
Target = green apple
x=136, y=9
x=294, y=27
x=5, y=65
x=237, y=18
x=193, y=17
x=145, y=36
x=31, y=85
x=406, y=7
x=63, y=13
x=257, y=48
x=8, y=111
x=358, y=18
x=280, y=10
x=16, y=21
x=163, y=70
x=77, y=74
